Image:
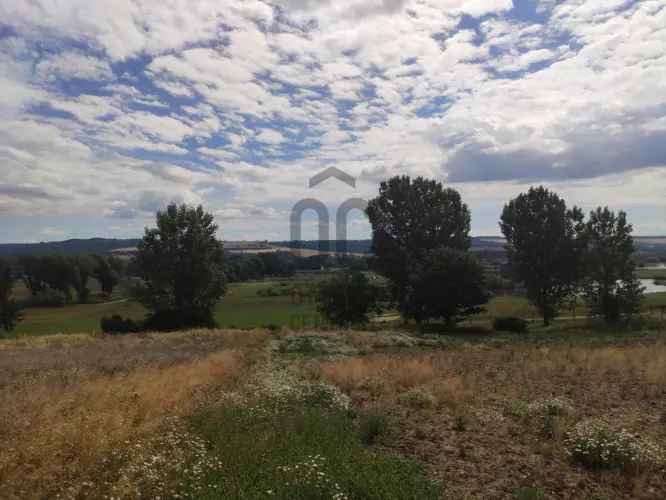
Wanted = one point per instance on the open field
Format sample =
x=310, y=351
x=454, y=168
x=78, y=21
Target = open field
x=242, y=307
x=245, y=307
x=250, y=414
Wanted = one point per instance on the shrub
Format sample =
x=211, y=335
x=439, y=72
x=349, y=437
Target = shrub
x=117, y=324
x=510, y=324
x=596, y=445
x=530, y=494
x=417, y=399
x=553, y=407
x=372, y=427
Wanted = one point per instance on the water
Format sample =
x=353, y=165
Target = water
x=650, y=287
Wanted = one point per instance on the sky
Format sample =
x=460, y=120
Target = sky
x=111, y=110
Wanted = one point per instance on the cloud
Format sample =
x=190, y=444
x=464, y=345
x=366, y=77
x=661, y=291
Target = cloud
x=118, y=108
x=68, y=65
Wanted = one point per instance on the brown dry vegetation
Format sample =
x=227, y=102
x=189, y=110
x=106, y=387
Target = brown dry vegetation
x=479, y=449
x=70, y=407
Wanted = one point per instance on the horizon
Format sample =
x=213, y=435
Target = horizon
x=111, y=112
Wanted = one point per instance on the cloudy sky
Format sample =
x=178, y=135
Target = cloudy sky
x=110, y=110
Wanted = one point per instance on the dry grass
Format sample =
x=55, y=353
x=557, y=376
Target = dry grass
x=481, y=452
x=69, y=407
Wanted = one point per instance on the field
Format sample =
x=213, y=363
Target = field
x=247, y=305
x=309, y=415
x=241, y=308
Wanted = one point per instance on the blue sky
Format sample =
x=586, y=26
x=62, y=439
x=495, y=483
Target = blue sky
x=110, y=110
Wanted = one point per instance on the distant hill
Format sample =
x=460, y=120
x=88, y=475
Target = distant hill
x=68, y=247
x=103, y=245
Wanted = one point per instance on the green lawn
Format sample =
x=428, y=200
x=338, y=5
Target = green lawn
x=240, y=308
x=651, y=273
x=243, y=307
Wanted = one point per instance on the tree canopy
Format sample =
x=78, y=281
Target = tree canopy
x=545, y=246
x=611, y=288
x=181, y=263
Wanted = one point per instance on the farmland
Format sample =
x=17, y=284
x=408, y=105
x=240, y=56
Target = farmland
x=260, y=304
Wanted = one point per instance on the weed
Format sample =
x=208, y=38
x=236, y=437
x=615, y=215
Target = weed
x=596, y=445
x=372, y=426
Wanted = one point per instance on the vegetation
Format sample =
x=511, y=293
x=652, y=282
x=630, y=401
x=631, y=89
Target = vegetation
x=181, y=264
x=612, y=289
x=545, y=246
x=445, y=284
x=510, y=324
x=10, y=312
x=413, y=222
x=347, y=298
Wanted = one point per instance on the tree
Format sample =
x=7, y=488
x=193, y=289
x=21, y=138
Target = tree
x=33, y=273
x=104, y=272
x=410, y=219
x=181, y=263
x=10, y=311
x=447, y=284
x=347, y=298
x=82, y=269
x=611, y=288
x=545, y=246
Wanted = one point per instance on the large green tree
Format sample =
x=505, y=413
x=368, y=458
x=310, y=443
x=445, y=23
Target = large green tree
x=181, y=263
x=612, y=289
x=10, y=311
x=410, y=218
x=105, y=273
x=347, y=298
x=545, y=247
x=446, y=284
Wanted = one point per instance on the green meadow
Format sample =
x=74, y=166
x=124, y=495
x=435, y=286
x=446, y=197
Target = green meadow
x=263, y=304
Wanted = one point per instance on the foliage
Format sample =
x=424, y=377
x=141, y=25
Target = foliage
x=446, y=284
x=596, y=445
x=347, y=298
x=10, y=311
x=417, y=399
x=118, y=324
x=371, y=427
x=107, y=272
x=410, y=218
x=181, y=264
x=612, y=289
x=545, y=246
x=510, y=324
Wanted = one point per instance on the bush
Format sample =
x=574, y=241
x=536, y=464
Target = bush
x=510, y=324
x=594, y=444
x=173, y=320
x=371, y=428
x=417, y=399
x=117, y=324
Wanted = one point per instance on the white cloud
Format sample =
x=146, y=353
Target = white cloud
x=67, y=65
x=225, y=90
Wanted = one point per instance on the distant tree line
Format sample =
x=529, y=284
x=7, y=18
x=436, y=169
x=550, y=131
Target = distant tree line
x=55, y=277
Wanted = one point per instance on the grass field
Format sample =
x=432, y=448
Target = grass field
x=651, y=273
x=244, y=307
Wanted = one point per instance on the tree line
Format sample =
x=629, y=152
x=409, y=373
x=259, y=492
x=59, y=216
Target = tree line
x=421, y=244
